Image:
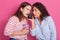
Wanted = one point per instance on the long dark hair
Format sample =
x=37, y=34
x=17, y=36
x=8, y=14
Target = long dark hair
x=42, y=9
x=19, y=14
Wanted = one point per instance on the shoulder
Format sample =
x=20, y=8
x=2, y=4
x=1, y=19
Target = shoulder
x=48, y=18
x=13, y=19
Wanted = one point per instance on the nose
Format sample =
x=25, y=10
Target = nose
x=33, y=12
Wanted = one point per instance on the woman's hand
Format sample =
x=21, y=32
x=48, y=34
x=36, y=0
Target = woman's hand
x=25, y=31
x=22, y=32
x=32, y=21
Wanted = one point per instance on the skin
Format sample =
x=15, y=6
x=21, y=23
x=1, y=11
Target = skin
x=36, y=12
x=37, y=15
x=25, y=11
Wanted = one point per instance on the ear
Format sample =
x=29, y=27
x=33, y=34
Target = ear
x=21, y=9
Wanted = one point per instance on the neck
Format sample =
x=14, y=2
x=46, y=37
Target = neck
x=39, y=19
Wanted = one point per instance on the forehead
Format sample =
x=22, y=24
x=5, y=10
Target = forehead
x=28, y=6
x=35, y=8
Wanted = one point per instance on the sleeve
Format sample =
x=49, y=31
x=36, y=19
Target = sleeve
x=32, y=32
x=38, y=30
x=9, y=26
x=40, y=35
x=52, y=28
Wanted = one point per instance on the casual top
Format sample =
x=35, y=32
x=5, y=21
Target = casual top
x=45, y=30
x=14, y=24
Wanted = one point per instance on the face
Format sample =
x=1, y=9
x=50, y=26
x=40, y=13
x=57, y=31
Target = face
x=36, y=12
x=26, y=10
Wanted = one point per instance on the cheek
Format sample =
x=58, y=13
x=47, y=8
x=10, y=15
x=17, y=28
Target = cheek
x=38, y=14
x=34, y=12
x=25, y=11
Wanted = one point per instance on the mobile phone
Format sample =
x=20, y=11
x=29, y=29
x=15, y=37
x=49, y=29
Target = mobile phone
x=30, y=16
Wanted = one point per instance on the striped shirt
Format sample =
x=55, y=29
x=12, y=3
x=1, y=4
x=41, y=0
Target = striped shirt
x=12, y=25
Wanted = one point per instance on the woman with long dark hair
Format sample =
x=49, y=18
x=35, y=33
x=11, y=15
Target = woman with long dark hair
x=17, y=27
x=42, y=24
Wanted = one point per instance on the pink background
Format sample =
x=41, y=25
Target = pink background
x=8, y=7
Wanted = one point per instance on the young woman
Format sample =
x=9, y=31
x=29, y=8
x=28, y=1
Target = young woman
x=42, y=24
x=17, y=27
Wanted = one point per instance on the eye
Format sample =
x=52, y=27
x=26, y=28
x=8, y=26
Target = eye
x=27, y=9
x=34, y=10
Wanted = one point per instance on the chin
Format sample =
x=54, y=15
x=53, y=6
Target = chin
x=26, y=16
x=35, y=16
